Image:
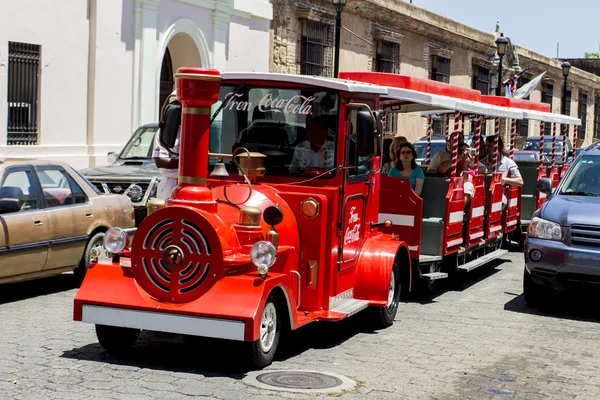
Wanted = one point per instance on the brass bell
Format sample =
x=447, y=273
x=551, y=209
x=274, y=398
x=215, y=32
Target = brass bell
x=219, y=170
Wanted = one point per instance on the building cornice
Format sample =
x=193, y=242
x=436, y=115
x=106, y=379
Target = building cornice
x=246, y=9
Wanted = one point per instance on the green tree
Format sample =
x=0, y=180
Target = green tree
x=592, y=55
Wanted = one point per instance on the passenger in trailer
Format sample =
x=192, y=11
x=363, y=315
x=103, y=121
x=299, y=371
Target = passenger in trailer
x=507, y=167
x=406, y=167
x=394, y=147
x=465, y=168
x=442, y=160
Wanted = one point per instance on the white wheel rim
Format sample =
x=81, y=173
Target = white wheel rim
x=103, y=253
x=392, y=291
x=268, y=327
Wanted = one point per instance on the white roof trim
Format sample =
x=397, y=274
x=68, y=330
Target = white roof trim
x=319, y=81
x=433, y=104
x=551, y=117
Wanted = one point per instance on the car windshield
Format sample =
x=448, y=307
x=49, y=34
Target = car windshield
x=296, y=129
x=534, y=145
x=524, y=157
x=421, y=148
x=140, y=145
x=584, y=177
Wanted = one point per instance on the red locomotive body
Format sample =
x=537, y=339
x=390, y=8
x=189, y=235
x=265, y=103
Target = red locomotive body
x=293, y=238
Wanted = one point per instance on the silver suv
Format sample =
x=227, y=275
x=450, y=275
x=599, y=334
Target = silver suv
x=132, y=172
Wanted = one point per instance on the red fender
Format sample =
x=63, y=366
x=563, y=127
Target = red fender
x=236, y=297
x=374, y=268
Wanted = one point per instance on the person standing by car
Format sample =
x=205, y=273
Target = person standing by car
x=167, y=160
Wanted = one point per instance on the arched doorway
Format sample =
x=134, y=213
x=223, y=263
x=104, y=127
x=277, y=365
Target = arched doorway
x=181, y=51
x=167, y=80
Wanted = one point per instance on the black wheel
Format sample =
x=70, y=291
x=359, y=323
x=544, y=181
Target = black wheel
x=115, y=339
x=95, y=242
x=264, y=349
x=536, y=295
x=385, y=316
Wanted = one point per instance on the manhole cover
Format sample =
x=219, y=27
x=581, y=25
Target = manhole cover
x=300, y=381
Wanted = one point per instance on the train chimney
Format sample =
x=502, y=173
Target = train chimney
x=197, y=90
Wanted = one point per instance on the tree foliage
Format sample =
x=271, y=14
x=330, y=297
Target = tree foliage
x=592, y=55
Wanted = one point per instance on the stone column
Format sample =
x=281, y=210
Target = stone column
x=144, y=62
x=220, y=37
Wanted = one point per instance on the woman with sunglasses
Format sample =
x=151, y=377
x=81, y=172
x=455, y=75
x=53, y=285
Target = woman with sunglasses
x=406, y=167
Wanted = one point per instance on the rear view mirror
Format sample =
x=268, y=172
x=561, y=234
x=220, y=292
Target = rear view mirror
x=544, y=185
x=9, y=206
x=112, y=156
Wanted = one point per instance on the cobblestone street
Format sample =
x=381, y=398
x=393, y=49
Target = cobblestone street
x=478, y=341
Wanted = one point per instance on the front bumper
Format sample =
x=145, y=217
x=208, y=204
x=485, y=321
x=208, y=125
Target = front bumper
x=562, y=265
x=109, y=295
x=163, y=322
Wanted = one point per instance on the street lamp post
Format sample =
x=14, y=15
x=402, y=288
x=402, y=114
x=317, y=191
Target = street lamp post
x=501, y=43
x=566, y=67
x=339, y=5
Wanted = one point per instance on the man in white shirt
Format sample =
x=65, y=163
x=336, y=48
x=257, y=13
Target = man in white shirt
x=168, y=165
x=507, y=167
x=317, y=151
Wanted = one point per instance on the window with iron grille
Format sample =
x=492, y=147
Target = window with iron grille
x=388, y=57
x=597, y=118
x=568, y=103
x=440, y=69
x=481, y=79
x=22, y=94
x=391, y=123
x=582, y=114
x=547, y=94
x=523, y=128
x=316, y=48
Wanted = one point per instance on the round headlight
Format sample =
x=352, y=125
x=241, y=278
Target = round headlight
x=263, y=253
x=115, y=240
x=135, y=193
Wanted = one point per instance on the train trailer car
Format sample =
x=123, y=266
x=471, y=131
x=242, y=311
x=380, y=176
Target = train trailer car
x=284, y=231
x=445, y=236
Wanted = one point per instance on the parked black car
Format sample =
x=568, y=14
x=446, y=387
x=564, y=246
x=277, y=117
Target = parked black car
x=562, y=247
x=132, y=173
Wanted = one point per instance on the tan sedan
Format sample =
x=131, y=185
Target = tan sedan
x=52, y=220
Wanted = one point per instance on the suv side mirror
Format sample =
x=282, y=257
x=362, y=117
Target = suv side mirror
x=544, y=185
x=112, y=156
x=365, y=134
x=9, y=206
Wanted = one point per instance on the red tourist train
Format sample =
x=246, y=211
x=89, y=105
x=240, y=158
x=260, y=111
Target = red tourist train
x=294, y=223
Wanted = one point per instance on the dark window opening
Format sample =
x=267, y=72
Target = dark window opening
x=316, y=48
x=22, y=93
x=440, y=69
x=167, y=81
x=481, y=79
x=547, y=94
x=388, y=57
x=582, y=115
x=597, y=118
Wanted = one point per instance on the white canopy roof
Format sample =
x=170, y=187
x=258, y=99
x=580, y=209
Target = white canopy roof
x=435, y=104
x=551, y=117
x=319, y=81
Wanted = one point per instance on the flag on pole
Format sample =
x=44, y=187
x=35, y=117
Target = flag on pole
x=529, y=87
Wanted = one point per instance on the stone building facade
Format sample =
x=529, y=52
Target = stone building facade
x=395, y=36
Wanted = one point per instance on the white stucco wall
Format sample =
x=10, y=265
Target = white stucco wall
x=248, y=44
x=86, y=112
x=63, y=77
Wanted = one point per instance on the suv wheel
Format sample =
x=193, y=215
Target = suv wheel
x=536, y=295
